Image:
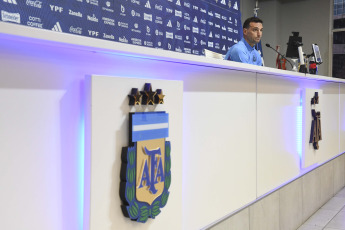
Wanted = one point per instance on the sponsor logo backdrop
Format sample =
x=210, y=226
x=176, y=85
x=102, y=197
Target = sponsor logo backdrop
x=178, y=25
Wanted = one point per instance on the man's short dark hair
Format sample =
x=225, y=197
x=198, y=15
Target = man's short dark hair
x=247, y=22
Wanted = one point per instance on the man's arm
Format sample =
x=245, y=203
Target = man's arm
x=238, y=55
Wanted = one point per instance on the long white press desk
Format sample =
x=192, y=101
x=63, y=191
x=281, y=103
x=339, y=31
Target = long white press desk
x=241, y=131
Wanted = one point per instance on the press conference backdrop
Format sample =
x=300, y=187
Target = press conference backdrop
x=178, y=25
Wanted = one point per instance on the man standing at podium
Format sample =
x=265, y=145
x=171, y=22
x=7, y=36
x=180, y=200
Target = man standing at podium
x=244, y=51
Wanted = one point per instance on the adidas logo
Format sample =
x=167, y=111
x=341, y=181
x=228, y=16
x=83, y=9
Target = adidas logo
x=235, y=6
x=57, y=27
x=11, y=1
x=195, y=19
x=211, y=36
x=223, y=2
x=178, y=3
x=169, y=24
x=147, y=5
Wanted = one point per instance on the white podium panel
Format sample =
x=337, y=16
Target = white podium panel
x=342, y=119
x=31, y=159
x=329, y=145
x=282, y=133
x=278, y=114
x=219, y=146
x=328, y=106
x=107, y=124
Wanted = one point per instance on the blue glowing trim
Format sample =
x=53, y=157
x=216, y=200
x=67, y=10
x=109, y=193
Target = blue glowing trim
x=81, y=173
x=299, y=130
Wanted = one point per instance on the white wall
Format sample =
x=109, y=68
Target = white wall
x=311, y=19
x=247, y=9
x=270, y=13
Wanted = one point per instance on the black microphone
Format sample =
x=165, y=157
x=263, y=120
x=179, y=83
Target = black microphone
x=268, y=45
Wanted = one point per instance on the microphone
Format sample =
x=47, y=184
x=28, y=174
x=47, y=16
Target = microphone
x=269, y=46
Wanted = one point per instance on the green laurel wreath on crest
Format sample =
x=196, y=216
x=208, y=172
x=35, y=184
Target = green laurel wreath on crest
x=141, y=211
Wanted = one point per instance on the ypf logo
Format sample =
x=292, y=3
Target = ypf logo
x=145, y=170
x=56, y=8
x=93, y=33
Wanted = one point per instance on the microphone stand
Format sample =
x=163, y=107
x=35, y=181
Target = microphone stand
x=292, y=66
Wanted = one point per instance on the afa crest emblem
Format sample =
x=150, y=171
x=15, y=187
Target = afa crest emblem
x=146, y=163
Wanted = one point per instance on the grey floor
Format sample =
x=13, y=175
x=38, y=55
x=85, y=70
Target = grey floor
x=331, y=216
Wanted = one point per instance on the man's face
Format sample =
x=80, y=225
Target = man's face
x=253, y=34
